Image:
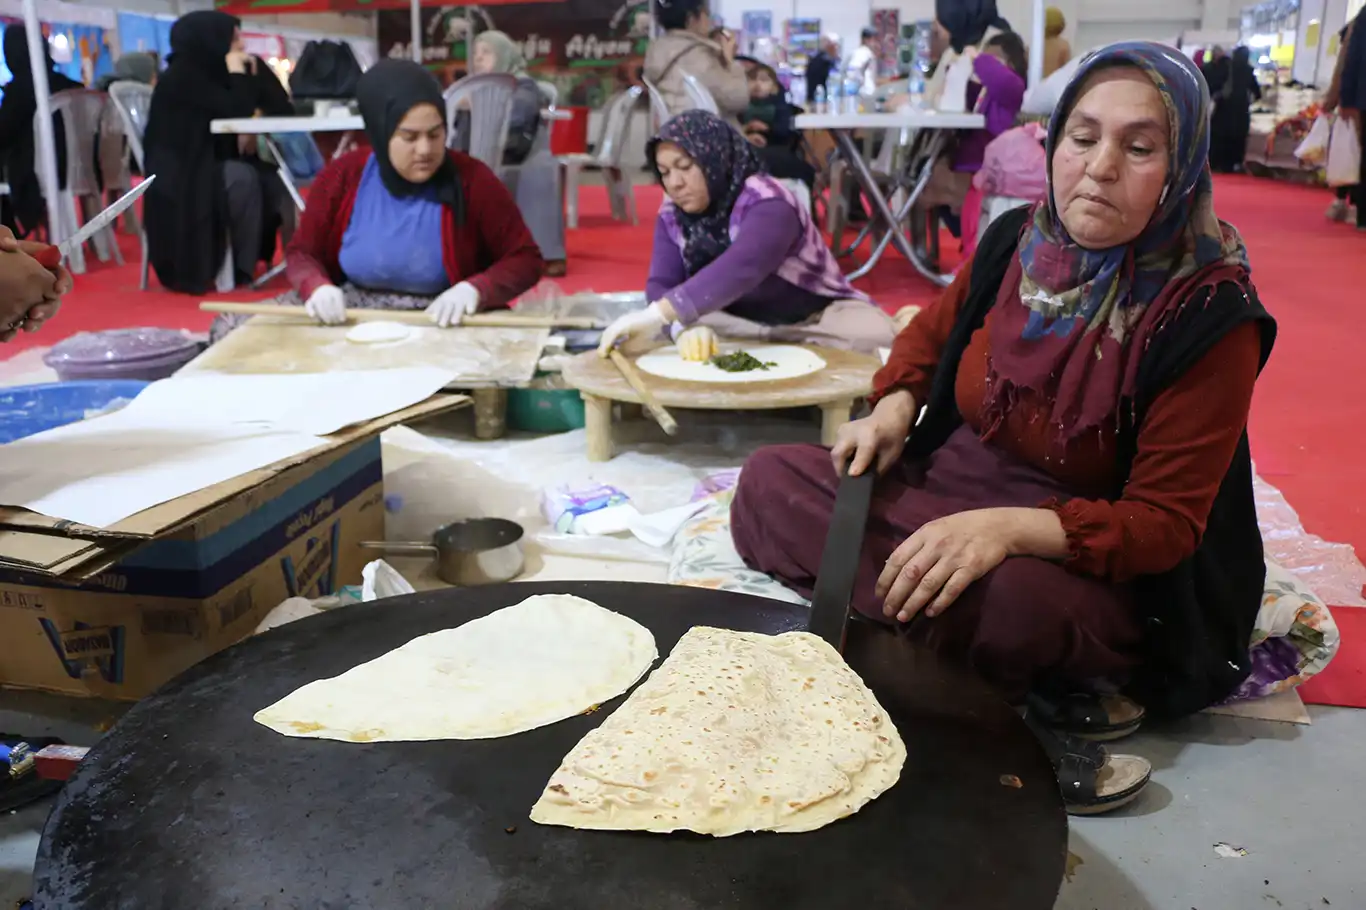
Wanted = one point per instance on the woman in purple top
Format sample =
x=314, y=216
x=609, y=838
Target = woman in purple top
x=1000, y=67
x=737, y=255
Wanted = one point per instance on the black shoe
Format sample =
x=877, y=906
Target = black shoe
x=1102, y=718
x=1092, y=780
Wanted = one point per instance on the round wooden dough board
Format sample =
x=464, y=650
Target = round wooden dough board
x=786, y=361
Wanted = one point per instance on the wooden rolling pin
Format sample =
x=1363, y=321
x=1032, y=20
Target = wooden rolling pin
x=503, y=320
x=632, y=376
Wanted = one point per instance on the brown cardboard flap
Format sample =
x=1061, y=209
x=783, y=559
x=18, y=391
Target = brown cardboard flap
x=41, y=542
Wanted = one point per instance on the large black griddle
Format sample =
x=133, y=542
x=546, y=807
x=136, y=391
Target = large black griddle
x=187, y=804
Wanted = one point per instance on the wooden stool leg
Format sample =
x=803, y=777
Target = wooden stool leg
x=597, y=423
x=490, y=413
x=834, y=414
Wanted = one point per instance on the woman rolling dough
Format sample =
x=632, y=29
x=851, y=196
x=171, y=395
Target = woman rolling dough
x=737, y=255
x=407, y=224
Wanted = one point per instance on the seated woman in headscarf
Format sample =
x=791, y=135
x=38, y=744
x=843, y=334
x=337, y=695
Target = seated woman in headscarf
x=959, y=25
x=737, y=254
x=1057, y=51
x=134, y=66
x=408, y=224
x=206, y=195
x=24, y=208
x=1076, y=503
x=535, y=184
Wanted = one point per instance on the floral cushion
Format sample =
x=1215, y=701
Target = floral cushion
x=1294, y=638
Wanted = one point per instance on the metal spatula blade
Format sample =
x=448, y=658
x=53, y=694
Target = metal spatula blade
x=839, y=560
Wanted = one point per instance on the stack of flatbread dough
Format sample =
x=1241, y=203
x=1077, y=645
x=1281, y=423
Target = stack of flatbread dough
x=734, y=732
x=547, y=658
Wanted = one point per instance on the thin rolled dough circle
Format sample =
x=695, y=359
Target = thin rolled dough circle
x=789, y=362
x=380, y=332
x=547, y=658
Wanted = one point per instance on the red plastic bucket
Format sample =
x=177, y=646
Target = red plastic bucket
x=569, y=137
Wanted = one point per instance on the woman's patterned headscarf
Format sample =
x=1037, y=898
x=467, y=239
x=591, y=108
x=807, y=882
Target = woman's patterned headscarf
x=1070, y=338
x=727, y=161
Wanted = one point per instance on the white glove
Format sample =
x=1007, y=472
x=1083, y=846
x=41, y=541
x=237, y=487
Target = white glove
x=327, y=305
x=453, y=305
x=697, y=343
x=649, y=321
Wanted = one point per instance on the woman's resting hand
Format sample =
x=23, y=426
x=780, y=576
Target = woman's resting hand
x=697, y=343
x=327, y=305
x=453, y=305
x=876, y=439
x=936, y=564
x=648, y=323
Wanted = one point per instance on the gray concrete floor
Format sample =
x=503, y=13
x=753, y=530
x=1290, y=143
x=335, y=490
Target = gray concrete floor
x=1294, y=797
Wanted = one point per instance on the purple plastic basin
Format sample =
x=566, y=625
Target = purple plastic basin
x=147, y=354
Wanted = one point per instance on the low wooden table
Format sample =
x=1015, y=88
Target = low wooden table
x=490, y=360
x=847, y=377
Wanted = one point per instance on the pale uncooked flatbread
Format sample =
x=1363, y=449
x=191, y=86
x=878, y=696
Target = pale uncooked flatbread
x=547, y=658
x=789, y=362
x=734, y=732
x=379, y=332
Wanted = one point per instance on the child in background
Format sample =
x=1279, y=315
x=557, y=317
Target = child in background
x=768, y=125
x=1001, y=69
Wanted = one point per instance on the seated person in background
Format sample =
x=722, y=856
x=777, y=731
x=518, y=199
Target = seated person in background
x=24, y=209
x=686, y=47
x=1076, y=502
x=206, y=194
x=134, y=66
x=536, y=183
x=1001, y=69
x=768, y=125
x=407, y=223
x=736, y=254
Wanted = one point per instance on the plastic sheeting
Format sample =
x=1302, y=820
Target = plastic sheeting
x=1331, y=570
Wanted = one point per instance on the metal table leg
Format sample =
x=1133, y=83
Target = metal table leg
x=883, y=210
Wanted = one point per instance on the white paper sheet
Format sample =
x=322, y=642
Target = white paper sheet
x=312, y=403
x=182, y=435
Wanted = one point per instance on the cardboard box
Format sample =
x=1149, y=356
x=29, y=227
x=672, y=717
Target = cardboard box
x=162, y=600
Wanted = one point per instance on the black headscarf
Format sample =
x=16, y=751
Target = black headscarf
x=186, y=209
x=727, y=161
x=24, y=208
x=386, y=93
x=967, y=21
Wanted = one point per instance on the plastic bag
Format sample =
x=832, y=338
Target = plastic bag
x=1344, y=155
x=1314, y=148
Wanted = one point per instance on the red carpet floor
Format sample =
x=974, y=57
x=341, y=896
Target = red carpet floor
x=1308, y=420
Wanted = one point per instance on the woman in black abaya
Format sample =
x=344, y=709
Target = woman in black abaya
x=1233, y=89
x=24, y=208
x=204, y=195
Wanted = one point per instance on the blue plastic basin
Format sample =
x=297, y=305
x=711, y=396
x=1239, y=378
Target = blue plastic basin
x=29, y=409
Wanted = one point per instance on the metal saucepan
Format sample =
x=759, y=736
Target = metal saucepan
x=477, y=551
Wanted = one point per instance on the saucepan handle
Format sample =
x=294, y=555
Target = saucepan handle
x=400, y=547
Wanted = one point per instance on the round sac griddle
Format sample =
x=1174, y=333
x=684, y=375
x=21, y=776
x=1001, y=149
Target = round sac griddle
x=188, y=803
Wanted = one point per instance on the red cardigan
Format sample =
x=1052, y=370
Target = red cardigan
x=493, y=251
x=1184, y=446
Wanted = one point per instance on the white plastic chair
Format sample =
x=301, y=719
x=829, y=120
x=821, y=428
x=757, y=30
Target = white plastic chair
x=606, y=156
x=701, y=97
x=488, y=100
x=81, y=113
x=659, y=110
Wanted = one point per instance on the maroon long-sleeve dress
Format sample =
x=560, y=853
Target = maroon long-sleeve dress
x=1029, y=618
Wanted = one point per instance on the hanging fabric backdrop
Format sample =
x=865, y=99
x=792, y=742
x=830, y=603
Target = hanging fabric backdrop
x=588, y=48
x=145, y=33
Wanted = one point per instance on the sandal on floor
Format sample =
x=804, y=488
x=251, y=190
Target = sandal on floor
x=1092, y=780
x=1102, y=718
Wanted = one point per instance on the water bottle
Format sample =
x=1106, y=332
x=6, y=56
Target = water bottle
x=818, y=101
x=797, y=93
x=851, y=92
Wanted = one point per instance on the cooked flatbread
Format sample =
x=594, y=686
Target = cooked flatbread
x=547, y=658
x=734, y=732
